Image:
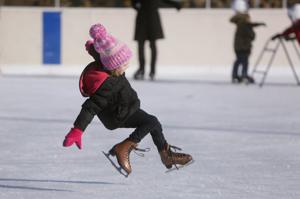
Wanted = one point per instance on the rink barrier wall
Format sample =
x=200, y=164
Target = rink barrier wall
x=194, y=38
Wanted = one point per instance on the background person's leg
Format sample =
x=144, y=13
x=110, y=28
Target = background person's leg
x=153, y=58
x=139, y=74
x=235, y=77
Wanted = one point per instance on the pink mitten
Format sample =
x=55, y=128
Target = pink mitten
x=74, y=136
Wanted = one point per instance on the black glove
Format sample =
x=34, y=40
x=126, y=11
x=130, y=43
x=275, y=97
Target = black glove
x=276, y=36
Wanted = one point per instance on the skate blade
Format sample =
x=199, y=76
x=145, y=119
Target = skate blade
x=118, y=168
x=180, y=167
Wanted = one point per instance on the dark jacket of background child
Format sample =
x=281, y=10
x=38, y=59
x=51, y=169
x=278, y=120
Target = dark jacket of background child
x=244, y=34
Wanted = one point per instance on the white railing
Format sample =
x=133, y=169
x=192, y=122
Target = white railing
x=57, y=3
x=207, y=3
x=257, y=2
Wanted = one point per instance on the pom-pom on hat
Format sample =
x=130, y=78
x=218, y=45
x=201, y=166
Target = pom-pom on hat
x=113, y=53
x=88, y=45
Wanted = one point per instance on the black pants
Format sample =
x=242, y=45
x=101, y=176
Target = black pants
x=241, y=60
x=144, y=124
x=141, y=49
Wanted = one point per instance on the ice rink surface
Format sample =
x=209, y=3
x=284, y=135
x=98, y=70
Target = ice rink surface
x=245, y=140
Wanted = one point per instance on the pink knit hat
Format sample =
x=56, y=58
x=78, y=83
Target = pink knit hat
x=113, y=53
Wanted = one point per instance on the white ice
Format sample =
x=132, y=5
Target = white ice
x=245, y=141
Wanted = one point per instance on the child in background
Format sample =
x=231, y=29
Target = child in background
x=115, y=102
x=243, y=38
x=294, y=29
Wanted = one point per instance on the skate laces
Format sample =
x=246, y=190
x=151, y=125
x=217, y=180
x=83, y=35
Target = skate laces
x=135, y=149
x=174, y=154
x=175, y=148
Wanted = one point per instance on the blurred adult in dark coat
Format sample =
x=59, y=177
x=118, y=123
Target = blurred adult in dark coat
x=148, y=27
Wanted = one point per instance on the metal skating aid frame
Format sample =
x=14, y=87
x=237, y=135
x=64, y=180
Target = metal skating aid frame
x=273, y=52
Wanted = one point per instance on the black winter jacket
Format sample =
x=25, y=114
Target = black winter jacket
x=113, y=102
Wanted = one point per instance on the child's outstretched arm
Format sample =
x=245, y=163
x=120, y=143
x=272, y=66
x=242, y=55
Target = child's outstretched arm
x=88, y=111
x=256, y=24
x=91, y=107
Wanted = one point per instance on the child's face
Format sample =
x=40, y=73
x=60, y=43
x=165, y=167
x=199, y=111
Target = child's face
x=119, y=71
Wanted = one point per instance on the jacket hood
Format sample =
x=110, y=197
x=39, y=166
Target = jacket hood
x=91, y=78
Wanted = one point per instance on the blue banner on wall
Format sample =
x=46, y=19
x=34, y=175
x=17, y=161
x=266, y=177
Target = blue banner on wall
x=51, y=37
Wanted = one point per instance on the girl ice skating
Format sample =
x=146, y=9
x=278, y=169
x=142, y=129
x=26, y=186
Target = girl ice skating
x=114, y=101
